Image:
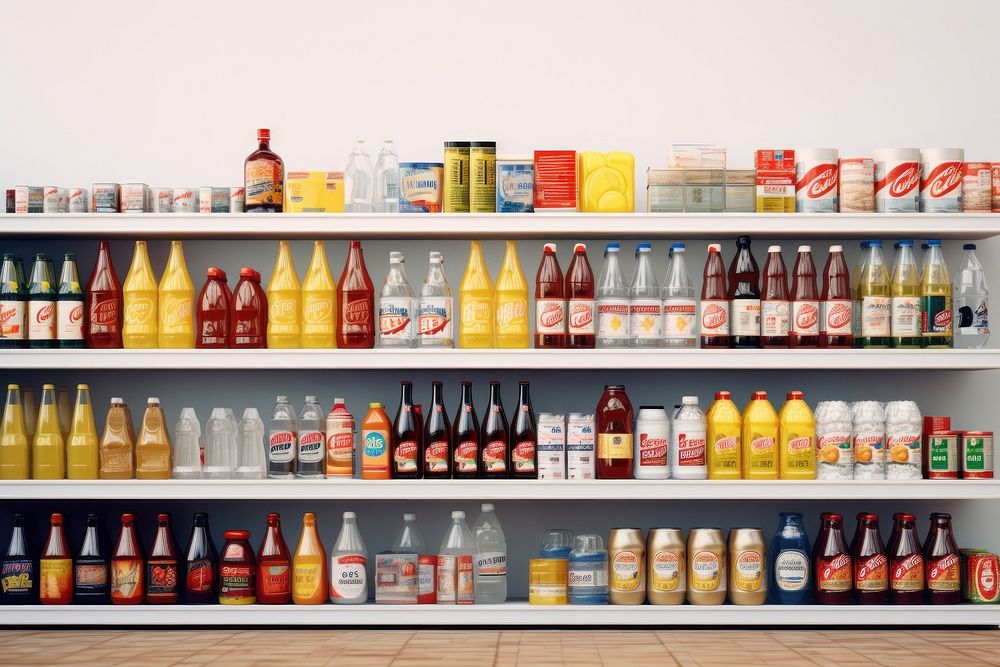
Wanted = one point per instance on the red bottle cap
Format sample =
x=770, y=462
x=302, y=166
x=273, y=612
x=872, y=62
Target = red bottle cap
x=236, y=534
x=128, y=518
x=273, y=517
x=759, y=396
x=215, y=273
x=793, y=396
x=263, y=133
x=580, y=247
x=56, y=519
x=833, y=516
x=247, y=272
x=871, y=517
x=549, y=247
x=899, y=516
x=722, y=395
x=163, y=518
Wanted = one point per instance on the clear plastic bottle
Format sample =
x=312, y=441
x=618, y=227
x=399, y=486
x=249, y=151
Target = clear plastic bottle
x=456, y=558
x=410, y=540
x=218, y=460
x=688, y=433
x=645, y=302
x=904, y=325
x=856, y=273
x=396, y=306
x=349, y=564
x=251, y=460
x=876, y=299
x=281, y=441
x=935, y=299
x=612, y=301
x=387, y=179
x=232, y=427
x=679, y=305
x=971, y=302
x=491, y=558
x=358, y=180
x=187, y=450
x=311, y=449
x=435, y=323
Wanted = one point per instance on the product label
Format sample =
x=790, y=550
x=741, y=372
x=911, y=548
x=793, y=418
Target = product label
x=763, y=454
x=875, y=315
x=263, y=182
x=907, y=573
x=714, y=318
x=491, y=564
x=475, y=317
x=596, y=577
x=357, y=314
x=834, y=574
x=281, y=447
x=465, y=581
x=836, y=317
x=679, y=316
x=523, y=456
x=614, y=445
x=972, y=316
x=175, y=310
x=41, y=320
x=17, y=577
x=55, y=578
x=943, y=573
x=871, y=573
x=427, y=578
x=436, y=457
x=798, y=450
x=375, y=443
x=691, y=449
x=200, y=576
x=161, y=578
x=316, y=310
x=434, y=319
x=646, y=318
x=447, y=573
x=613, y=318
x=977, y=454
x=12, y=320
x=311, y=446
x=466, y=453
x=835, y=450
x=580, y=449
x=652, y=451
x=746, y=317
x=102, y=313
x=626, y=572
x=275, y=579
x=935, y=314
x=69, y=320
x=395, y=319
x=581, y=317
x=495, y=456
x=667, y=572
x=405, y=456
x=706, y=572
x=340, y=446
x=904, y=448
x=805, y=318
x=905, y=316
x=791, y=569
x=550, y=316
x=726, y=450
x=307, y=579
x=749, y=571
x=511, y=316
x=943, y=454
x=774, y=318
x=348, y=576
x=126, y=578
x=236, y=581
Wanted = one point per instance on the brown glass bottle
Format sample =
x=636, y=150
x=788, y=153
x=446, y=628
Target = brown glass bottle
x=857, y=530
x=906, y=562
x=274, y=565
x=201, y=586
x=465, y=438
x=775, y=302
x=871, y=567
x=127, y=585
x=942, y=565
x=615, y=432
x=494, y=454
x=832, y=562
x=744, y=296
x=524, y=443
x=162, y=574
x=264, y=177
x=406, y=454
x=437, y=437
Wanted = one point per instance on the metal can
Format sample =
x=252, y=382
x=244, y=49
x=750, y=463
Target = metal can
x=551, y=446
x=78, y=200
x=706, y=565
x=11, y=206
x=977, y=187
x=515, y=184
x=942, y=455
x=420, y=185
x=213, y=200
x=161, y=200
x=897, y=180
x=816, y=177
x=548, y=581
x=977, y=455
x=134, y=197
x=666, y=562
x=941, y=180
x=747, y=566
x=482, y=177
x=980, y=575
x=995, y=178
x=456, y=176
x=237, y=199
x=104, y=198
x=50, y=199
x=580, y=461
x=626, y=566
x=185, y=200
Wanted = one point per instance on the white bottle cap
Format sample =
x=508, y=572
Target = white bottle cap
x=549, y=247
x=350, y=515
x=774, y=248
x=153, y=400
x=836, y=248
x=458, y=514
x=689, y=400
x=310, y=399
x=715, y=247
x=117, y=399
x=396, y=257
x=338, y=400
x=805, y=248
x=436, y=257
x=409, y=516
x=487, y=507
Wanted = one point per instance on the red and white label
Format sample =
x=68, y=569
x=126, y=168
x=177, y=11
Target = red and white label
x=550, y=316
x=818, y=182
x=942, y=179
x=581, y=317
x=646, y=318
x=837, y=317
x=12, y=314
x=652, y=450
x=715, y=318
x=69, y=320
x=358, y=312
x=798, y=445
x=679, y=318
x=774, y=318
x=943, y=574
x=41, y=320
x=872, y=573
x=612, y=318
x=746, y=317
x=690, y=449
x=907, y=574
x=104, y=313
x=900, y=181
x=805, y=318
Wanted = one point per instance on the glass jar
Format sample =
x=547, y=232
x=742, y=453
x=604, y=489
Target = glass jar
x=237, y=569
x=741, y=190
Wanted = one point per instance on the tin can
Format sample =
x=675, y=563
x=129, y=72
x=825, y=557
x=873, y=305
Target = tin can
x=104, y=198
x=482, y=177
x=237, y=199
x=64, y=200
x=977, y=455
x=420, y=187
x=185, y=200
x=977, y=187
x=666, y=562
x=980, y=577
x=456, y=176
x=50, y=199
x=515, y=185
x=932, y=424
x=943, y=455
x=747, y=566
x=548, y=581
x=29, y=199
x=857, y=184
x=626, y=566
x=816, y=177
x=78, y=200
x=134, y=197
x=161, y=200
x=580, y=461
x=941, y=180
x=213, y=200
x=706, y=578
x=551, y=446
x=897, y=180
x=426, y=578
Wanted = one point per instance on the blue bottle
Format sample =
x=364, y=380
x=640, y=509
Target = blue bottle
x=588, y=571
x=790, y=571
x=558, y=543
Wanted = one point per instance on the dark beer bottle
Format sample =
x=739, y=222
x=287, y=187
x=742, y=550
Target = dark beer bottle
x=92, y=567
x=437, y=437
x=465, y=460
x=524, y=445
x=405, y=437
x=494, y=455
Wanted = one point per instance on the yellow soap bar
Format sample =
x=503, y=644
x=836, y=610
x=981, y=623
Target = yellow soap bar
x=607, y=182
x=314, y=192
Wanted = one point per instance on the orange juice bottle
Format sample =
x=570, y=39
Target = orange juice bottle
x=723, y=446
x=14, y=447
x=48, y=451
x=475, y=302
x=140, y=329
x=284, y=298
x=796, y=439
x=309, y=575
x=375, y=438
x=82, y=458
x=760, y=438
x=116, y=451
x=152, y=447
x=511, y=300
x=318, y=301
x=176, y=302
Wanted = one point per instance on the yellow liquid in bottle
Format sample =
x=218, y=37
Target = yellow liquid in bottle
x=176, y=302
x=511, y=299
x=141, y=299
x=82, y=447
x=15, y=445
x=475, y=302
x=319, y=302
x=284, y=302
x=48, y=453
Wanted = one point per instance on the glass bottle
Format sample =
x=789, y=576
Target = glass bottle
x=744, y=296
x=579, y=291
x=70, y=300
x=48, y=450
x=876, y=299
x=318, y=295
x=387, y=179
x=127, y=576
x=775, y=304
x=104, y=303
x=82, y=446
x=140, y=296
x=832, y=562
x=614, y=434
x=309, y=576
x=871, y=567
x=162, y=573
x=466, y=439
x=805, y=301
x=42, y=304
x=355, y=303
x=550, y=301
x=935, y=300
x=906, y=562
x=942, y=564
x=494, y=453
x=13, y=306
x=200, y=561
x=437, y=441
x=117, y=458
x=789, y=573
x=19, y=577
x=396, y=303
x=406, y=449
x=15, y=445
x=612, y=302
x=646, y=302
x=680, y=309
x=56, y=566
x=435, y=319
x=524, y=440
x=152, y=446
x=263, y=177
x=91, y=569
x=510, y=299
x=348, y=564
x=274, y=565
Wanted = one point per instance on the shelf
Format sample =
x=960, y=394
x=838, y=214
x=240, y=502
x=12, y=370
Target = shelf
x=675, y=226
x=443, y=359
x=502, y=489
x=509, y=614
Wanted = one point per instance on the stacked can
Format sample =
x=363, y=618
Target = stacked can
x=941, y=180
x=897, y=180
x=816, y=180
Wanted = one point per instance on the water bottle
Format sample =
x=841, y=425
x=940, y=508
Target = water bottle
x=688, y=433
x=410, y=540
x=612, y=302
x=456, y=560
x=187, y=450
x=358, y=177
x=232, y=428
x=219, y=463
x=434, y=326
x=251, y=460
x=311, y=453
x=645, y=304
x=281, y=441
x=349, y=564
x=679, y=305
x=387, y=179
x=971, y=297
x=396, y=304
x=491, y=558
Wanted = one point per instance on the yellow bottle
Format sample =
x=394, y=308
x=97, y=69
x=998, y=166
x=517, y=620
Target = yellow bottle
x=796, y=439
x=30, y=412
x=475, y=302
x=319, y=293
x=511, y=301
x=310, y=584
x=14, y=446
x=760, y=438
x=117, y=454
x=140, y=327
x=65, y=412
x=284, y=299
x=176, y=302
x=48, y=452
x=152, y=447
x=723, y=446
x=82, y=459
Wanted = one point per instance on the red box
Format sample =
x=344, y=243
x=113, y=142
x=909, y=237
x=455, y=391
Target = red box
x=555, y=180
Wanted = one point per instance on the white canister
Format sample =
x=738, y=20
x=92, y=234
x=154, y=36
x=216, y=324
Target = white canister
x=857, y=185
x=237, y=199
x=941, y=180
x=580, y=454
x=161, y=200
x=816, y=180
x=652, y=433
x=688, y=435
x=897, y=180
x=79, y=200
x=185, y=200
x=551, y=446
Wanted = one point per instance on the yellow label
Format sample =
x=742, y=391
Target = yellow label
x=614, y=445
x=139, y=310
x=626, y=572
x=706, y=571
x=175, y=310
x=306, y=579
x=317, y=310
x=724, y=451
x=667, y=571
x=56, y=578
x=476, y=316
x=798, y=452
x=749, y=570
x=456, y=180
x=263, y=185
x=762, y=453
x=283, y=310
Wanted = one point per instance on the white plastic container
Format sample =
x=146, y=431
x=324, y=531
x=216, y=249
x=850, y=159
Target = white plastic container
x=580, y=441
x=349, y=564
x=551, y=446
x=688, y=434
x=652, y=432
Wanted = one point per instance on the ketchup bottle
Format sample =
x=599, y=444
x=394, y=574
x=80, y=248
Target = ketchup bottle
x=906, y=562
x=214, y=303
x=103, y=322
x=775, y=305
x=614, y=433
x=248, y=319
x=832, y=562
x=550, y=301
x=356, y=303
x=835, y=323
x=127, y=580
x=871, y=567
x=942, y=565
x=274, y=565
x=714, y=301
x=744, y=295
x=805, y=301
x=580, y=292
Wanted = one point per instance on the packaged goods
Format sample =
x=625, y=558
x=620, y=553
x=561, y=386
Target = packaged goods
x=834, y=443
x=581, y=305
x=722, y=444
x=904, y=459
x=551, y=446
x=995, y=169
x=832, y=564
x=941, y=180
x=482, y=177
x=51, y=199
x=626, y=566
x=421, y=187
x=134, y=197
x=396, y=317
x=679, y=305
x=836, y=302
x=515, y=184
x=977, y=187
x=747, y=556
x=613, y=330
x=897, y=180
x=714, y=306
x=942, y=562
x=977, y=455
x=871, y=566
x=312, y=192
x=349, y=564
x=456, y=176
x=55, y=566
x=490, y=557
x=550, y=301
x=555, y=180
x=687, y=435
x=161, y=200
x=796, y=439
x=980, y=572
x=385, y=197
x=971, y=326
x=436, y=313
x=775, y=180
x=906, y=562
x=936, y=300
x=664, y=190
x=645, y=303
x=237, y=569
x=10, y=206
x=707, y=571
x=511, y=328
x=274, y=562
x=942, y=452
x=697, y=156
x=237, y=199
x=548, y=581
x=438, y=444
x=263, y=177
x=869, y=439
x=359, y=178
x=615, y=433
x=607, y=182
x=406, y=455
x=214, y=200
x=759, y=438
x=580, y=461
x=29, y=199
x=652, y=428
x=666, y=564
x=588, y=571
x=775, y=305
x=741, y=187
x=816, y=178
x=355, y=303
x=704, y=190
x=456, y=558
x=185, y=200
x=396, y=578
x=477, y=311
x=857, y=184
x=104, y=198
x=744, y=296
x=932, y=425
x=78, y=200
x=427, y=579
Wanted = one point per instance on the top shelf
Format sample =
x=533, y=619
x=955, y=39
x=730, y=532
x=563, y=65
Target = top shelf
x=968, y=226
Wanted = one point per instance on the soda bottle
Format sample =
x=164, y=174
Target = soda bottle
x=796, y=439
x=789, y=574
x=580, y=293
x=116, y=449
x=438, y=449
x=140, y=327
x=104, y=303
x=82, y=458
x=550, y=301
x=744, y=295
x=406, y=449
x=274, y=565
x=491, y=558
x=251, y=455
x=395, y=307
x=13, y=309
x=832, y=564
x=836, y=305
x=310, y=582
x=219, y=460
x=645, y=303
x=494, y=453
x=152, y=446
x=387, y=179
x=805, y=301
x=200, y=561
x=906, y=562
x=376, y=434
x=55, y=567
x=871, y=567
x=339, y=440
x=972, y=323
x=875, y=299
x=284, y=299
x=614, y=434
x=237, y=569
x=30, y=412
x=612, y=302
x=175, y=300
x=41, y=305
x=905, y=302
x=679, y=305
x=69, y=307
x=214, y=304
x=65, y=411
x=355, y=303
x=91, y=568
x=310, y=454
x=434, y=321
x=456, y=557
x=127, y=573
x=722, y=444
x=775, y=304
x=524, y=439
x=510, y=299
x=48, y=453
x=465, y=462
x=248, y=320
x=281, y=441
x=358, y=180
x=935, y=300
x=856, y=274
x=714, y=301
x=475, y=303
x=163, y=584
x=759, y=438
x=14, y=443
x=264, y=177
x=318, y=295
x=349, y=563
x=19, y=568
x=942, y=563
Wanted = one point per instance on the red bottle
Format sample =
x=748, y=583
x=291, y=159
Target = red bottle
x=805, y=301
x=835, y=318
x=127, y=580
x=550, y=301
x=857, y=530
x=580, y=292
x=248, y=319
x=871, y=566
x=614, y=434
x=162, y=573
x=466, y=437
x=942, y=565
x=214, y=304
x=274, y=570
x=714, y=301
x=356, y=303
x=906, y=562
x=494, y=454
x=775, y=304
x=744, y=295
x=406, y=455
x=832, y=562
x=55, y=566
x=103, y=323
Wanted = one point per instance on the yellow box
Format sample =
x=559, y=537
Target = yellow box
x=314, y=192
x=607, y=182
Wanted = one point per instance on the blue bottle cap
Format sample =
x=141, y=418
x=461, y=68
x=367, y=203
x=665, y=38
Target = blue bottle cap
x=614, y=245
x=874, y=244
x=643, y=247
x=933, y=243
x=969, y=246
x=905, y=243
x=864, y=244
x=681, y=246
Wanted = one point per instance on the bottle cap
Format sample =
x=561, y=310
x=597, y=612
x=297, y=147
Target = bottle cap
x=549, y=247
x=282, y=399
x=117, y=399
x=643, y=247
x=409, y=516
x=689, y=400
x=969, y=246
x=216, y=273
x=436, y=257
x=458, y=514
x=582, y=247
x=836, y=248
x=650, y=407
x=614, y=387
x=871, y=517
x=241, y=535
x=126, y=518
x=396, y=257
x=933, y=243
x=263, y=133
x=374, y=405
x=613, y=247
x=743, y=239
x=905, y=243
x=350, y=515
x=793, y=396
x=487, y=507
x=56, y=519
x=774, y=248
x=310, y=399
x=874, y=244
x=832, y=516
x=805, y=248
x=714, y=247
x=899, y=516
x=162, y=518
x=722, y=395
x=338, y=401
x=759, y=395
x=246, y=271
x=153, y=400
x=677, y=247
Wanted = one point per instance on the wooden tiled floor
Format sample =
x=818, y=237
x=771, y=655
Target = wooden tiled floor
x=402, y=648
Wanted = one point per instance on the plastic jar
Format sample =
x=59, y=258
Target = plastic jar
x=547, y=581
x=588, y=571
x=237, y=569
x=558, y=543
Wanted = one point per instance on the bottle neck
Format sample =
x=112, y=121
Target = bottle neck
x=406, y=394
x=523, y=394
x=466, y=394
x=494, y=394
x=436, y=398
